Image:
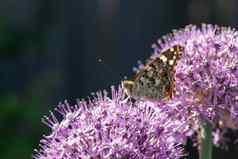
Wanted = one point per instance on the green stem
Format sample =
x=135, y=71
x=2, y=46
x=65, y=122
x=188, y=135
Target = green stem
x=205, y=151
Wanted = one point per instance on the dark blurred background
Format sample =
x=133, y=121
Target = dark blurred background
x=51, y=51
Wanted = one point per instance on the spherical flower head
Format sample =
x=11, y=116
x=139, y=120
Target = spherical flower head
x=206, y=76
x=113, y=128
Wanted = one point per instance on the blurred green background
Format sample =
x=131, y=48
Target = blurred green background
x=49, y=51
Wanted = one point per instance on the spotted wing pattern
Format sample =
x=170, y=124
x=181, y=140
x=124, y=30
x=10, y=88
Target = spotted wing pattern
x=156, y=80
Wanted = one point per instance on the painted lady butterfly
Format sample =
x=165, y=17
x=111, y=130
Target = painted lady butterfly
x=156, y=80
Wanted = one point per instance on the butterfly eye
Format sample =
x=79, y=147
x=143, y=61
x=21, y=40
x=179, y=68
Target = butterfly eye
x=128, y=86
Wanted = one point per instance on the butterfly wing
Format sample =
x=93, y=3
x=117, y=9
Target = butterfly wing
x=156, y=80
x=153, y=81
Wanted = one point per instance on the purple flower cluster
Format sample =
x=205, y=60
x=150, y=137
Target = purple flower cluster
x=206, y=80
x=207, y=74
x=113, y=128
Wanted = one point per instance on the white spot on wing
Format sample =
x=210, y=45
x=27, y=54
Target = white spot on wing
x=171, y=62
x=163, y=58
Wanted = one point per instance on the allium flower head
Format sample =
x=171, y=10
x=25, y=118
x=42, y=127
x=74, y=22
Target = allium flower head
x=206, y=90
x=113, y=128
x=206, y=77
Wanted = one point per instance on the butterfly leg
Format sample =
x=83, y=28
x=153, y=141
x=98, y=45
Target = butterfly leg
x=125, y=100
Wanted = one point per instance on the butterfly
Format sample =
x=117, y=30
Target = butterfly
x=156, y=80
